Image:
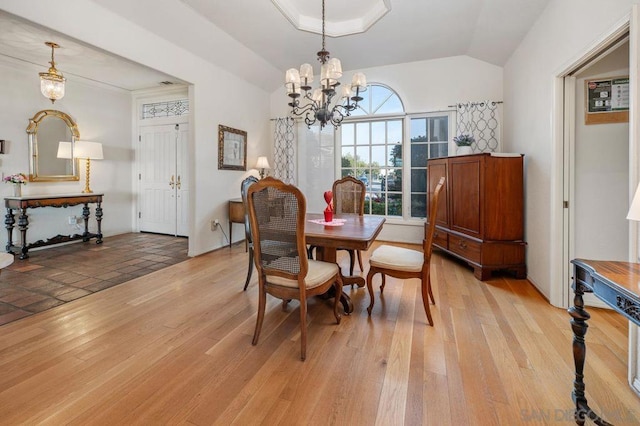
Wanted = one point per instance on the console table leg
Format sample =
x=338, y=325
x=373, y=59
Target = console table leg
x=85, y=215
x=23, y=225
x=579, y=326
x=9, y=221
x=99, y=220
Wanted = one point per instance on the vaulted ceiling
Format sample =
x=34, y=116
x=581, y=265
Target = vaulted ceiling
x=381, y=32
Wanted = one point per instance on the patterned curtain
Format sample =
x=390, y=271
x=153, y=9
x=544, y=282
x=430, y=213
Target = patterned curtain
x=284, y=150
x=482, y=121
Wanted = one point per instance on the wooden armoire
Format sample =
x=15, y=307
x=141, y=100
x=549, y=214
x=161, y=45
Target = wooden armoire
x=480, y=215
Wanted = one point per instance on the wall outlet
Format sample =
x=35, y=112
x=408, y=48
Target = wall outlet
x=73, y=220
x=214, y=224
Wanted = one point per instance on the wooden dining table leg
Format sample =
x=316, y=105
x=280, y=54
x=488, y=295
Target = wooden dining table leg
x=328, y=254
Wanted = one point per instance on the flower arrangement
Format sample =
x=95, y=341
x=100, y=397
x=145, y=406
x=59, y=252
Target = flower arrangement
x=18, y=178
x=464, y=140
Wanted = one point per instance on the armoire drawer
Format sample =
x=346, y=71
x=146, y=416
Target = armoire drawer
x=441, y=239
x=470, y=250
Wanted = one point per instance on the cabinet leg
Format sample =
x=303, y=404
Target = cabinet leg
x=23, y=225
x=99, y=220
x=481, y=274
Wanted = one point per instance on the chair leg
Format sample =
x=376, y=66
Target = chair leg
x=250, y=271
x=370, y=275
x=384, y=282
x=425, y=298
x=338, y=287
x=310, y=252
x=262, y=300
x=303, y=329
x=351, y=263
x=430, y=291
x=359, y=253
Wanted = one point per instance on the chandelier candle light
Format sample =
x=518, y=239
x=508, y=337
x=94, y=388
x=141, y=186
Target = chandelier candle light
x=318, y=106
x=52, y=81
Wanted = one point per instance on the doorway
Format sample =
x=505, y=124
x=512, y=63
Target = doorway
x=163, y=179
x=598, y=158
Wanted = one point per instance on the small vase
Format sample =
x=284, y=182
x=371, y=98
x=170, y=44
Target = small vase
x=464, y=150
x=17, y=190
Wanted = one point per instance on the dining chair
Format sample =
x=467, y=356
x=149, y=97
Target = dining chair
x=348, y=198
x=244, y=187
x=277, y=215
x=404, y=263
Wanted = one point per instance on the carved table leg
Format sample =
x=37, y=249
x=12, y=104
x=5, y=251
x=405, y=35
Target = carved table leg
x=9, y=221
x=579, y=326
x=328, y=254
x=99, y=220
x=23, y=225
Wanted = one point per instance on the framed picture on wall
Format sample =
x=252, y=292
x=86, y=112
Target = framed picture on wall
x=607, y=100
x=232, y=148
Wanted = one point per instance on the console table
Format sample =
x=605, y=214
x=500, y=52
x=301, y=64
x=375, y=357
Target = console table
x=618, y=285
x=34, y=201
x=236, y=215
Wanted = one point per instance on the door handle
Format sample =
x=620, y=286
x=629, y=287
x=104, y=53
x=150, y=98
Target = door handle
x=172, y=183
x=178, y=183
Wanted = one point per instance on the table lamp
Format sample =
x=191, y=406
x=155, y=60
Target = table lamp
x=634, y=210
x=89, y=151
x=262, y=164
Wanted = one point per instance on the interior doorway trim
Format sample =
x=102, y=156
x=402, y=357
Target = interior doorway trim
x=559, y=249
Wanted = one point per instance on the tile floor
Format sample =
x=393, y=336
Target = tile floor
x=60, y=274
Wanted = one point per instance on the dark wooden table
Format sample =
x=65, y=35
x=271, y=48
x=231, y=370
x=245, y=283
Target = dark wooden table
x=357, y=233
x=22, y=204
x=236, y=215
x=618, y=285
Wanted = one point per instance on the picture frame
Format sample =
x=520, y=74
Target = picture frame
x=607, y=100
x=232, y=148
x=1, y=146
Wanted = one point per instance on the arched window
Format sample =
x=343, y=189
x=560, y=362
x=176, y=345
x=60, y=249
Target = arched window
x=373, y=147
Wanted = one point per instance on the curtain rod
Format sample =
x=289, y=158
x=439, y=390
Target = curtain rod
x=475, y=103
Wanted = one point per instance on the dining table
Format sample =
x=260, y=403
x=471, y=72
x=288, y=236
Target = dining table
x=346, y=231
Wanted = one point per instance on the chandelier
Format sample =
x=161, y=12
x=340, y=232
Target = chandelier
x=318, y=103
x=52, y=81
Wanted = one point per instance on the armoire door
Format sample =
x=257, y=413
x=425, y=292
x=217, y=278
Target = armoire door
x=164, y=185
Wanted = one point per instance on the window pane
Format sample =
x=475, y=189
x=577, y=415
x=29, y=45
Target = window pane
x=378, y=132
x=378, y=204
x=395, y=155
x=419, y=129
x=394, y=207
x=437, y=150
x=419, y=205
x=392, y=105
x=348, y=156
x=363, y=157
x=438, y=129
x=347, y=172
x=362, y=133
x=348, y=130
x=419, y=155
x=419, y=180
x=394, y=131
x=378, y=156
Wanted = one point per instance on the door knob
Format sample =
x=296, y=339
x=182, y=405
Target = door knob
x=178, y=183
x=172, y=184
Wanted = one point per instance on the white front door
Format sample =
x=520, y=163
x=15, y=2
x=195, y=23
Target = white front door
x=164, y=185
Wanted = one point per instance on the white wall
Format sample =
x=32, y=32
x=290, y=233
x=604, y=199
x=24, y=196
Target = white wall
x=423, y=86
x=102, y=115
x=216, y=96
x=563, y=32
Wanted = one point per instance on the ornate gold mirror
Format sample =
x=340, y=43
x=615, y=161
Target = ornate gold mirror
x=46, y=163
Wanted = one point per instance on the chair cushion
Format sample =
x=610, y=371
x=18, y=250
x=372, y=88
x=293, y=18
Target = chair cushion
x=318, y=273
x=397, y=258
x=6, y=259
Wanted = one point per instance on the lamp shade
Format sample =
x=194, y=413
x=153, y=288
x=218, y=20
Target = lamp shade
x=90, y=150
x=262, y=163
x=634, y=210
x=64, y=150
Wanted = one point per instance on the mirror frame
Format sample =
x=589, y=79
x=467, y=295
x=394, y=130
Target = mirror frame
x=32, y=131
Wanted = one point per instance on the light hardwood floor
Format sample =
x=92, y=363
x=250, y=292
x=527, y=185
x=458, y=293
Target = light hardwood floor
x=174, y=347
